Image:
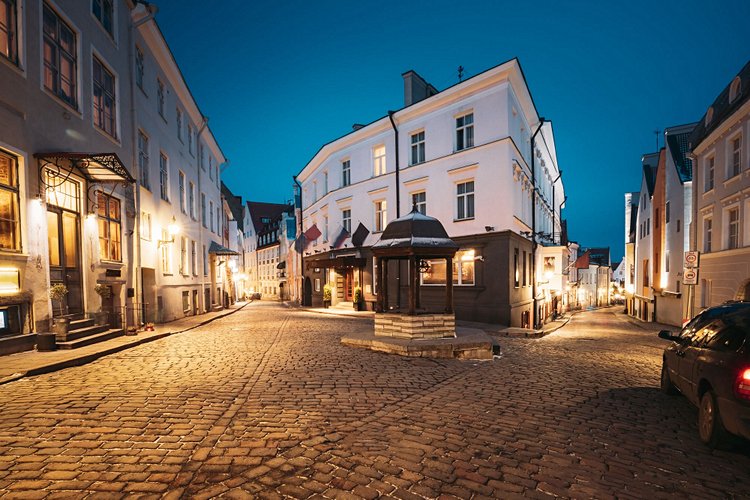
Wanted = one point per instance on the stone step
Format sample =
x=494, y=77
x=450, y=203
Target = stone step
x=76, y=324
x=344, y=305
x=91, y=339
x=79, y=333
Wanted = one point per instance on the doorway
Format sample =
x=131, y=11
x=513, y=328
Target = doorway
x=348, y=285
x=307, y=296
x=63, y=238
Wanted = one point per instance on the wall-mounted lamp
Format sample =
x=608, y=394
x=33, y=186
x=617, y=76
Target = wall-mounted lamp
x=489, y=229
x=173, y=229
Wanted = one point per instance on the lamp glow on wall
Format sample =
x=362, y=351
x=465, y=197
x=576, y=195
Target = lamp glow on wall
x=173, y=229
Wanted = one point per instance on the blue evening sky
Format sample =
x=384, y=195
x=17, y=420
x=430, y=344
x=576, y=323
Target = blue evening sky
x=278, y=79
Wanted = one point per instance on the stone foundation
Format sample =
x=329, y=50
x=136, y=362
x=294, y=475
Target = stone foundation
x=423, y=326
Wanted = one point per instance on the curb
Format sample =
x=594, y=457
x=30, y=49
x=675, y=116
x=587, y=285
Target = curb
x=88, y=358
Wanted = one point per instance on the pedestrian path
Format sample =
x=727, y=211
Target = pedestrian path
x=29, y=363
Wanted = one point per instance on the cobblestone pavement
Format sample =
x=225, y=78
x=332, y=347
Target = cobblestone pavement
x=266, y=403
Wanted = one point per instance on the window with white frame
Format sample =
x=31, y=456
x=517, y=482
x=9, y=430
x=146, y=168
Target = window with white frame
x=378, y=160
x=178, y=124
x=190, y=139
x=9, y=30
x=707, y=234
x=463, y=269
x=103, y=10
x=417, y=148
x=163, y=177
x=184, y=256
x=203, y=209
x=315, y=191
x=346, y=219
x=10, y=223
x=733, y=228
x=325, y=228
x=211, y=214
x=60, y=57
x=191, y=200
x=465, y=131
x=194, y=257
x=211, y=167
x=465, y=200
x=183, y=197
x=735, y=156
x=166, y=259
x=380, y=215
x=160, y=97
x=110, y=227
x=143, y=160
x=325, y=183
x=419, y=201
x=139, y=67
x=709, y=173
x=205, y=261
x=346, y=173
x=146, y=226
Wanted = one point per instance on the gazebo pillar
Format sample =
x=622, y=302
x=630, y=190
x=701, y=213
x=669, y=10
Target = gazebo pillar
x=382, y=284
x=412, y=285
x=449, y=285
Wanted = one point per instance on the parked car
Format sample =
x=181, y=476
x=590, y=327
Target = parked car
x=708, y=362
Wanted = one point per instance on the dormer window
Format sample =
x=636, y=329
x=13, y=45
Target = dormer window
x=709, y=116
x=734, y=89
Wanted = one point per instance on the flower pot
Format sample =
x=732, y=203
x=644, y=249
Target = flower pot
x=46, y=342
x=326, y=303
x=60, y=326
x=131, y=330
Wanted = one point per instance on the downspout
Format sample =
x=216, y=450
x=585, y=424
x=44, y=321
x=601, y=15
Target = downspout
x=137, y=271
x=553, y=205
x=204, y=258
x=298, y=223
x=533, y=225
x=398, y=202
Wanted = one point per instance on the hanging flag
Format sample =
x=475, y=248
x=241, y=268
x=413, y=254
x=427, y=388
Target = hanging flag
x=360, y=235
x=300, y=243
x=312, y=233
x=343, y=234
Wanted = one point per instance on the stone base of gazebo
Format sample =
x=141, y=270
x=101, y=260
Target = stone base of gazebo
x=468, y=343
x=421, y=326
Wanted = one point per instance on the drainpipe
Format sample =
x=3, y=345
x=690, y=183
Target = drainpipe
x=533, y=224
x=398, y=202
x=137, y=271
x=298, y=223
x=204, y=258
x=553, y=205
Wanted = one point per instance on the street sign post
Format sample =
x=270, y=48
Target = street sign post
x=692, y=259
x=690, y=276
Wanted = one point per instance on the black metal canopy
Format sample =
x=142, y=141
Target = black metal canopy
x=415, y=234
x=94, y=167
x=220, y=250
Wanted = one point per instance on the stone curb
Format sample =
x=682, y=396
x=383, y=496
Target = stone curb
x=88, y=358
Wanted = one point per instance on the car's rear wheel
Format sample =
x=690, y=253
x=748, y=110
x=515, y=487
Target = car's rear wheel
x=710, y=427
x=667, y=387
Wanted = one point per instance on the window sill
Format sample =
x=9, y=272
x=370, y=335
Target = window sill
x=112, y=264
x=14, y=255
x=109, y=136
x=63, y=102
x=462, y=220
x=709, y=192
x=732, y=179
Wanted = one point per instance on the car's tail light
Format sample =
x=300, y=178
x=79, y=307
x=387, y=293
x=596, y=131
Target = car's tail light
x=742, y=388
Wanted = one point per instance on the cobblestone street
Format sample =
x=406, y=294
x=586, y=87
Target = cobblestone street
x=267, y=403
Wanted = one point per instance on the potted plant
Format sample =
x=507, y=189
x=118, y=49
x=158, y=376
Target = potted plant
x=327, y=294
x=57, y=292
x=104, y=292
x=149, y=327
x=358, y=299
x=132, y=330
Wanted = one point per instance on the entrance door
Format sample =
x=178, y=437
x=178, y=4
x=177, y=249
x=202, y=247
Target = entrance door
x=348, y=285
x=65, y=259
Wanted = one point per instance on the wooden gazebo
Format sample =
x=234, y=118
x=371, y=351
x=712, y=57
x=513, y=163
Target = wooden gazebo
x=414, y=237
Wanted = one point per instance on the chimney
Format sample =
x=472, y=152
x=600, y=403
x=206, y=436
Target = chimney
x=416, y=88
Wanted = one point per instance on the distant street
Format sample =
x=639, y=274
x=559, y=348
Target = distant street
x=267, y=403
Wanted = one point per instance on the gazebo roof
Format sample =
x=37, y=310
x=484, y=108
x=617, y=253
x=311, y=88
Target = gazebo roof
x=415, y=234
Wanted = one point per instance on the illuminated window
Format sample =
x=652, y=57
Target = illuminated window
x=60, y=57
x=463, y=269
x=417, y=148
x=465, y=131
x=103, y=10
x=10, y=234
x=166, y=258
x=9, y=30
x=184, y=256
x=378, y=160
x=146, y=226
x=380, y=215
x=105, y=113
x=734, y=89
x=110, y=229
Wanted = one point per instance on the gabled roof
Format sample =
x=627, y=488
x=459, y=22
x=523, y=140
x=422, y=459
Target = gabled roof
x=650, y=166
x=678, y=144
x=260, y=210
x=235, y=205
x=722, y=108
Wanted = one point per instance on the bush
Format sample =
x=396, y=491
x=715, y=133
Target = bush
x=327, y=293
x=358, y=295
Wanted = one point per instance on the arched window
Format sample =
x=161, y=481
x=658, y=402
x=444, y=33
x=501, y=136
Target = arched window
x=709, y=116
x=734, y=89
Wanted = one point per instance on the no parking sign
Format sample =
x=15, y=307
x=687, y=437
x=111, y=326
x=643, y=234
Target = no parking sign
x=691, y=259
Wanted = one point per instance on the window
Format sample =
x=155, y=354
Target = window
x=166, y=261
x=666, y=213
x=465, y=132
x=160, y=97
x=709, y=180
x=163, y=177
x=9, y=30
x=380, y=215
x=143, y=169
x=325, y=228
x=104, y=98
x=325, y=183
x=666, y=262
x=211, y=167
x=378, y=160
x=465, y=200
x=103, y=11
x=523, y=263
x=110, y=229
x=201, y=164
x=60, y=62
x=10, y=233
x=190, y=138
x=463, y=269
x=735, y=157
x=419, y=201
x=734, y=89
x=183, y=256
x=417, y=148
x=203, y=209
x=205, y=261
x=707, y=230
x=179, y=124
x=734, y=228
x=346, y=173
x=648, y=226
x=186, y=301
x=211, y=214
x=194, y=257
x=139, y=67
x=183, y=201
x=191, y=200
x=346, y=220
x=146, y=226
x=516, y=273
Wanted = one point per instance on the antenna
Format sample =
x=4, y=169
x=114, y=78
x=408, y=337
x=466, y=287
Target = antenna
x=656, y=133
x=460, y=73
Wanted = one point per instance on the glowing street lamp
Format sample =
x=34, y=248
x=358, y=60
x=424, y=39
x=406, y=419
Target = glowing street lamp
x=173, y=229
